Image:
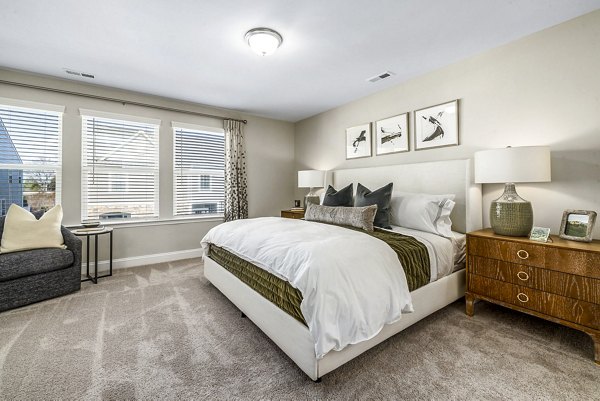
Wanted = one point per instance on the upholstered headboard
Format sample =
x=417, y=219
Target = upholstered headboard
x=442, y=177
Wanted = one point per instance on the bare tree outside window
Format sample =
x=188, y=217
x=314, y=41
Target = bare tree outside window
x=39, y=188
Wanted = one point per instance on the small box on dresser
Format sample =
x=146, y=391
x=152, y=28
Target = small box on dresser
x=557, y=281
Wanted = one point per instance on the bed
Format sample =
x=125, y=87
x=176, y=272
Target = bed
x=292, y=334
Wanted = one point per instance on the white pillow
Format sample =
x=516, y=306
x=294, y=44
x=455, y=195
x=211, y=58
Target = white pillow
x=22, y=231
x=424, y=212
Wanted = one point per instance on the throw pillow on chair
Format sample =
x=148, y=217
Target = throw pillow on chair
x=22, y=231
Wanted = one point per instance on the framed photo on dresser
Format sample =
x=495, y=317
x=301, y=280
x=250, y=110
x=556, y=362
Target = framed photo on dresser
x=540, y=234
x=391, y=135
x=577, y=225
x=358, y=141
x=436, y=126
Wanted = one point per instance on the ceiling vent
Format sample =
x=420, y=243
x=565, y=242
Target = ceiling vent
x=77, y=73
x=379, y=77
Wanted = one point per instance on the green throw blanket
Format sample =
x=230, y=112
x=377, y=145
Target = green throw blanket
x=412, y=254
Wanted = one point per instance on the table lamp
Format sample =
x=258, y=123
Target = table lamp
x=311, y=179
x=510, y=214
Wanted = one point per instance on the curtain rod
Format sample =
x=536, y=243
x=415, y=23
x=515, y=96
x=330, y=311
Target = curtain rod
x=122, y=101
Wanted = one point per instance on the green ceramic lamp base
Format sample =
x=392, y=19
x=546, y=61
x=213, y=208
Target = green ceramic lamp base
x=510, y=214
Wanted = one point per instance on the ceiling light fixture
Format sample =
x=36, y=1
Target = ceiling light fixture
x=263, y=41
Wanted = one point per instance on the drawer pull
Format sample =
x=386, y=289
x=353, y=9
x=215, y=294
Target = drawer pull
x=522, y=254
x=522, y=297
x=523, y=276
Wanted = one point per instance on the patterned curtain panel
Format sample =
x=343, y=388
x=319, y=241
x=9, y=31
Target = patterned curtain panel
x=236, y=184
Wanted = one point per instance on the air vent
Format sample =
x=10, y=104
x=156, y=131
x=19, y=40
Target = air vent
x=379, y=77
x=77, y=73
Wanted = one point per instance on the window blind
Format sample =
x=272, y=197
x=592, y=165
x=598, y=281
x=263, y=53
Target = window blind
x=119, y=169
x=199, y=172
x=30, y=157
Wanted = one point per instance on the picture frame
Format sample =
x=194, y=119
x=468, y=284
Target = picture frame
x=436, y=126
x=391, y=135
x=540, y=234
x=358, y=141
x=577, y=225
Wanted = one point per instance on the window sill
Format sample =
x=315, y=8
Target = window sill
x=164, y=222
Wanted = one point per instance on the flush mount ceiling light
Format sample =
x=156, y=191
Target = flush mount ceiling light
x=263, y=41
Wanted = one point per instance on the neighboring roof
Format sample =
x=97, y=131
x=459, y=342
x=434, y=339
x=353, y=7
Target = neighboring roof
x=8, y=152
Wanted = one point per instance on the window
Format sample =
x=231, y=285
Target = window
x=199, y=170
x=205, y=182
x=119, y=167
x=30, y=157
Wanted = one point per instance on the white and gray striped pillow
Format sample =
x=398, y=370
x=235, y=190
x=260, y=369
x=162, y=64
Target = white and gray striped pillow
x=424, y=212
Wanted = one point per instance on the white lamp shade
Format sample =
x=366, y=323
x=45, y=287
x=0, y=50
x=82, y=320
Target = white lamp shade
x=311, y=179
x=520, y=164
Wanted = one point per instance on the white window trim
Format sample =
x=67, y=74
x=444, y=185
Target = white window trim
x=32, y=105
x=117, y=116
x=56, y=167
x=196, y=127
x=181, y=125
x=156, y=172
x=161, y=222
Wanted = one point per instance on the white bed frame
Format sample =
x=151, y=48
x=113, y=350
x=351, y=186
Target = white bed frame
x=444, y=177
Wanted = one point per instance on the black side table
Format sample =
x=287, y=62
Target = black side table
x=87, y=233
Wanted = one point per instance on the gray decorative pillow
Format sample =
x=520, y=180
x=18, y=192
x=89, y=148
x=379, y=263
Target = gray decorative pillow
x=343, y=197
x=381, y=197
x=359, y=217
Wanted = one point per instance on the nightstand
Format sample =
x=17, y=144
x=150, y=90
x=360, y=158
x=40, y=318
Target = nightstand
x=292, y=214
x=558, y=281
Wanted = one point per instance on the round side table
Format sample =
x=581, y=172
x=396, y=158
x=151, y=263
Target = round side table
x=87, y=233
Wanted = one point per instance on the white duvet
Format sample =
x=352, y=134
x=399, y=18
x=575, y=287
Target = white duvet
x=352, y=283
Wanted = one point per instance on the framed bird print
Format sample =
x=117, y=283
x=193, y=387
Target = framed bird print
x=391, y=135
x=358, y=141
x=436, y=126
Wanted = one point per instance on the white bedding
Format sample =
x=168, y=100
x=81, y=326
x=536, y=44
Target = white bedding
x=362, y=285
x=445, y=254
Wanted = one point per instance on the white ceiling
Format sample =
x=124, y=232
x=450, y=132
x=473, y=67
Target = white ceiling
x=195, y=50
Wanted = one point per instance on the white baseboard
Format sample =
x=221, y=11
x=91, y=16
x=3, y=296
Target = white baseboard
x=146, y=259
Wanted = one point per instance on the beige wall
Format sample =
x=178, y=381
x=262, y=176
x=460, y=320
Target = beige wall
x=270, y=160
x=541, y=90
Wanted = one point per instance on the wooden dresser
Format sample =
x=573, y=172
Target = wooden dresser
x=558, y=281
x=293, y=214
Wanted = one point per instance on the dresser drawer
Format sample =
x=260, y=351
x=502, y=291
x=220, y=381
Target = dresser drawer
x=568, y=285
x=508, y=251
x=569, y=309
x=576, y=262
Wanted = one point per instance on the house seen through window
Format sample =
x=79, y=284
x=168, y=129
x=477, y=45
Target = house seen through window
x=120, y=169
x=30, y=157
x=198, y=169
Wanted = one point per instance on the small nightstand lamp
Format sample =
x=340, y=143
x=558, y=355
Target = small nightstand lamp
x=311, y=179
x=510, y=214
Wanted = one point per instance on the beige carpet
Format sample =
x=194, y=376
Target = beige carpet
x=163, y=332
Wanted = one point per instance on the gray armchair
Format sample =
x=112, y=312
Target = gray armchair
x=39, y=274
